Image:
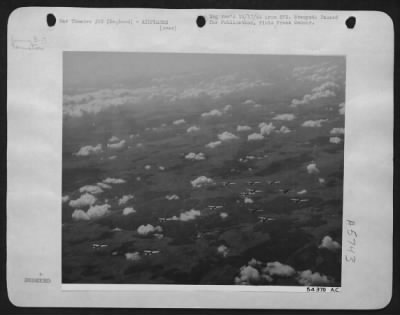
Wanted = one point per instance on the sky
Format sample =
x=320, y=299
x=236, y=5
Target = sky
x=104, y=69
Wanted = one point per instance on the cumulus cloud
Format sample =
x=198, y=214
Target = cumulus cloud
x=98, y=211
x=321, y=180
x=135, y=256
x=201, y=181
x=116, y=145
x=223, y=215
x=227, y=108
x=302, y=192
x=255, y=136
x=147, y=167
x=193, y=156
x=128, y=210
x=337, y=131
x=113, y=139
x=278, y=269
x=111, y=180
x=91, y=189
x=179, y=122
x=243, y=128
x=161, y=168
x=249, y=275
x=248, y=200
x=335, y=140
x=113, y=157
x=104, y=186
x=341, y=108
x=172, y=197
x=312, y=168
x=283, y=129
x=313, y=123
x=65, y=198
x=325, y=90
x=212, y=113
x=88, y=150
x=308, y=278
x=227, y=136
x=248, y=102
x=222, y=250
x=189, y=215
x=80, y=215
x=328, y=243
x=192, y=129
x=84, y=200
x=149, y=229
x=213, y=145
x=287, y=117
x=266, y=129
x=124, y=199
x=325, y=86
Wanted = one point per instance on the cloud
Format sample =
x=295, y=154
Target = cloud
x=124, y=199
x=223, y=215
x=187, y=215
x=65, y=198
x=172, y=197
x=212, y=113
x=117, y=145
x=247, y=275
x=98, y=211
x=110, y=180
x=193, y=156
x=243, y=128
x=161, y=168
x=266, y=129
x=321, y=180
x=335, y=140
x=113, y=139
x=312, y=168
x=341, y=108
x=128, y=210
x=147, y=167
x=249, y=102
x=313, y=123
x=325, y=86
x=104, y=186
x=337, y=131
x=88, y=150
x=166, y=90
x=255, y=136
x=227, y=108
x=179, y=122
x=308, y=278
x=192, y=129
x=213, y=145
x=328, y=243
x=84, y=200
x=113, y=157
x=149, y=229
x=201, y=181
x=248, y=200
x=278, y=269
x=222, y=250
x=227, y=136
x=80, y=215
x=92, y=189
x=287, y=117
x=135, y=256
x=283, y=129
x=302, y=192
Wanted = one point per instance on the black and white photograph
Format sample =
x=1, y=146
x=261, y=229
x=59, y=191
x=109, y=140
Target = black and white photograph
x=202, y=169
